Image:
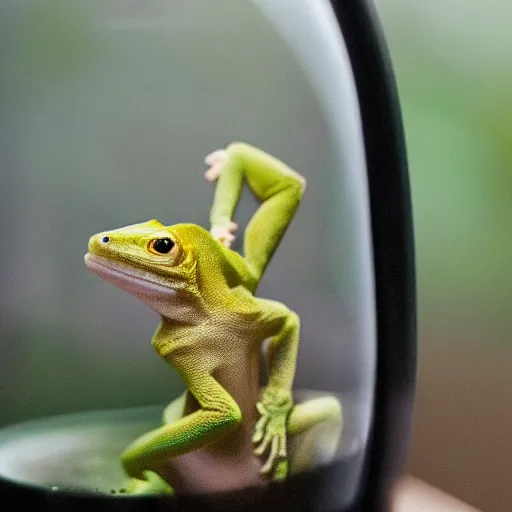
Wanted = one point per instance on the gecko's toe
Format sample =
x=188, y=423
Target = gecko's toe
x=216, y=162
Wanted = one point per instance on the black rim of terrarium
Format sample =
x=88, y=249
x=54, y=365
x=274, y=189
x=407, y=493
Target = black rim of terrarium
x=394, y=287
x=392, y=237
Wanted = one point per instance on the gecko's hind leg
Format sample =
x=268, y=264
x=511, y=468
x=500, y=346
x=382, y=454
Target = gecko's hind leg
x=276, y=185
x=315, y=429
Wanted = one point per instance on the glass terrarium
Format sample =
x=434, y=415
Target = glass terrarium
x=280, y=289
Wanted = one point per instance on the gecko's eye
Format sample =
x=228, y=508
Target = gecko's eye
x=161, y=246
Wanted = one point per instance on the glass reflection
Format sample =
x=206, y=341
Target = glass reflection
x=109, y=108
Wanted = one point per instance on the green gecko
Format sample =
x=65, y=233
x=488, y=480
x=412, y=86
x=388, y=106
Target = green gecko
x=226, y=431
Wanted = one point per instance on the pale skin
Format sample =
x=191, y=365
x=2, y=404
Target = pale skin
x=212, y=330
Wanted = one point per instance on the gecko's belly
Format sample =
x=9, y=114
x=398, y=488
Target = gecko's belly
x=225, y=464
x=213, y=469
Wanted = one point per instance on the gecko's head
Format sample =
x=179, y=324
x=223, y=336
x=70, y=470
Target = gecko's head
x=149, y=260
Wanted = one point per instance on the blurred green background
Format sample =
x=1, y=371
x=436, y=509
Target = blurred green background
x=452, y=60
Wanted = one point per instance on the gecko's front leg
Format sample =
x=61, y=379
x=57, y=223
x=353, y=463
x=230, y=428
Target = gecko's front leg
x=218, y=415
x=276, y=402
x=270, y=432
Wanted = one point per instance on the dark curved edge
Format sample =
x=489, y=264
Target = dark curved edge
x=392, y=233
x=301, y=493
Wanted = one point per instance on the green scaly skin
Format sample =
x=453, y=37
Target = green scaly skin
x=211, y=331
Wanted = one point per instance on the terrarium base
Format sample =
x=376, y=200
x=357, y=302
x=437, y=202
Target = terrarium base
x=77, y=455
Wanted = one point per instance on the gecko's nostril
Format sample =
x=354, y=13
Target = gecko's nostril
x=105, y=239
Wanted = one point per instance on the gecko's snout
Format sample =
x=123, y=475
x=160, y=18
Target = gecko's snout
x=98, y=242
x=97, y=246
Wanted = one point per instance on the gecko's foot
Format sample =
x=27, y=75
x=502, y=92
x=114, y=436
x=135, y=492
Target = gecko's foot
x=281, y=470
x=270, y=431
x=215, y=161
x=152, y=484
x=225, y=235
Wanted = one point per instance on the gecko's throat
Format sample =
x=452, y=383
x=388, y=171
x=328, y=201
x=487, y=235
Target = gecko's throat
x=137, y=282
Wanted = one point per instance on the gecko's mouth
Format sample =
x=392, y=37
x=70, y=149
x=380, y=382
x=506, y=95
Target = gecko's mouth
x=127, y=278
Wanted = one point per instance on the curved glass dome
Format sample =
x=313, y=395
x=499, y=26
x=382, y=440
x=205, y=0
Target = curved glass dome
x=109, y=109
